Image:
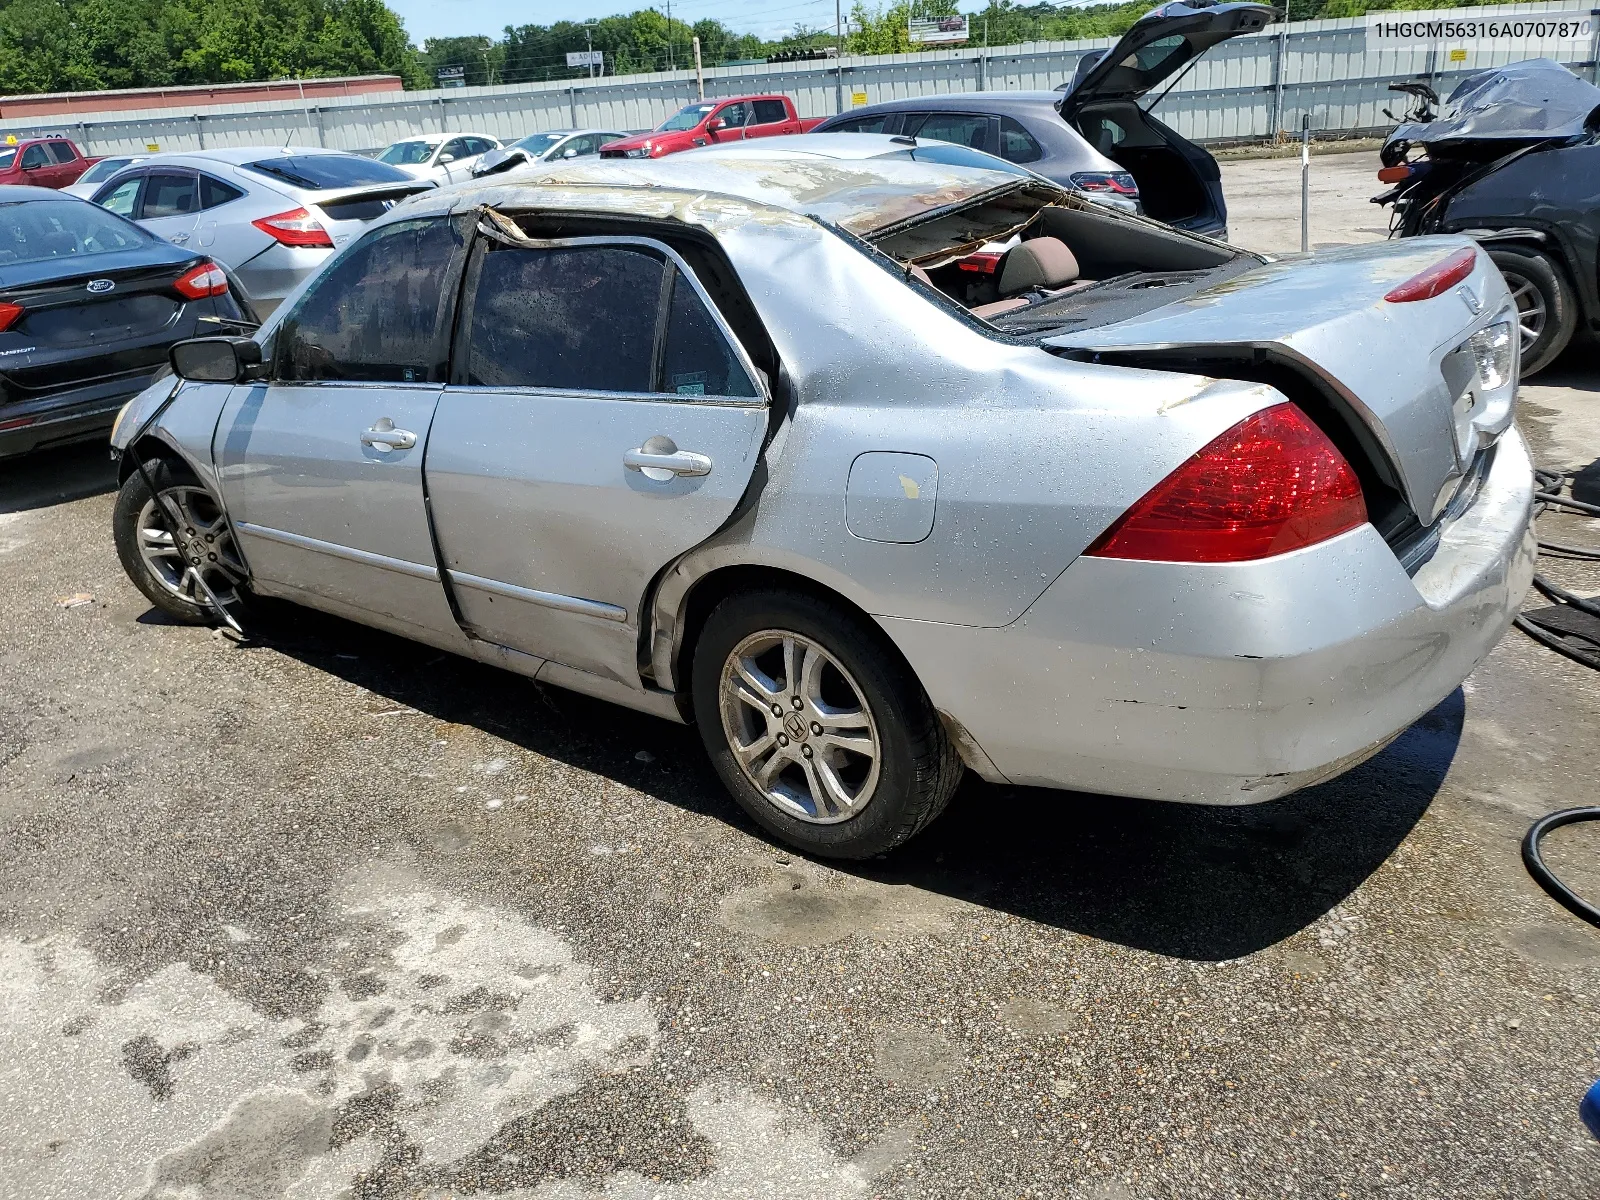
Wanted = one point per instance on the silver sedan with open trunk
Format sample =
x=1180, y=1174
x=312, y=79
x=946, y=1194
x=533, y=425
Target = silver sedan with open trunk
x=876, y=470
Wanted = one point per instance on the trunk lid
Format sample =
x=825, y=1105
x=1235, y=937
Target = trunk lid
x=1161, y=43
x=1401, y=369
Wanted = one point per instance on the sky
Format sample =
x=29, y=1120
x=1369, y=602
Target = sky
x=453, y=18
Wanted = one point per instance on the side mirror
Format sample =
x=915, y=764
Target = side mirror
x=446, y=158
x=716, y=126
x=215, y=359
x=569, y=153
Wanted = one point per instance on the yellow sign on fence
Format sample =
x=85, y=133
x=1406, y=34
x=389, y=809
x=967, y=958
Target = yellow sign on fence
x=1458, y=56
x=857, y=99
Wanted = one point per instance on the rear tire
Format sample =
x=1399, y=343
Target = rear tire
x=164, y=567
x=818, y=728
x=1547, y=313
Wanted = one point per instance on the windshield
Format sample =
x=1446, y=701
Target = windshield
x=8, y=155
x=537, y=143
x=408, y=153
x=103, y=169
x=34, y=230
x=317, y=171
x=685, y=118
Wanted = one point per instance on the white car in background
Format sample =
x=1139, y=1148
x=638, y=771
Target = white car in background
x=441, y=157
x=89, y=182
x=552, y=146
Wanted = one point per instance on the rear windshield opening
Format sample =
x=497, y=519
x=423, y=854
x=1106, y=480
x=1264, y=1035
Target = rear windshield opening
x=314, y=172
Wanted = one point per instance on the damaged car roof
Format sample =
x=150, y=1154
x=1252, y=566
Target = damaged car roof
x=862, y=197
x=1531, y=100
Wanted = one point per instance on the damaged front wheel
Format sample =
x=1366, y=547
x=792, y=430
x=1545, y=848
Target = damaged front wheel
x=167, y=561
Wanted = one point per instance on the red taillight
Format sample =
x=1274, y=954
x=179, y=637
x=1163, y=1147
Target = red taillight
x=1439, y=278
x=296, y=227
x=199, y=282
x=1119, y=182
x=8, y=314
x=984, y=262
x=1271, y=484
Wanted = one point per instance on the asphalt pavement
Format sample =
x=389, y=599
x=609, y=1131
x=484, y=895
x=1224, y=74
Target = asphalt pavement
x=331, y=914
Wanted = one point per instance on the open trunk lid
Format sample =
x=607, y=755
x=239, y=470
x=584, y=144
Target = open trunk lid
x=1160, y=44
x=1403, y=371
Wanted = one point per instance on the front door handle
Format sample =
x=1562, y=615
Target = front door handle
x=660, y=459
x=383, y=435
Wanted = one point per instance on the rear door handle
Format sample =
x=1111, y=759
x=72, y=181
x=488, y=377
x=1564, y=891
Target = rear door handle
x=660, y=459
x=384, y=435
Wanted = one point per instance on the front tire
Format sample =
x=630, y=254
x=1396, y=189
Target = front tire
x=166, y=563
x=1547, y=314
x=817, y=727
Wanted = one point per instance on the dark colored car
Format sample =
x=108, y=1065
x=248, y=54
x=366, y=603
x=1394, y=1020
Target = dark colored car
x=1511, y=162
x=1020, y=127
x=89, y=305
x=1179, y=182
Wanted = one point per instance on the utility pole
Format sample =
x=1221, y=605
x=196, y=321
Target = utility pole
x=699, y=73
x=838, y=57
x=671, y=63
x=588, y=36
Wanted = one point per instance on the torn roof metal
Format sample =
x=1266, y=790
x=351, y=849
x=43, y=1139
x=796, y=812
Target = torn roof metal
x=861, y=196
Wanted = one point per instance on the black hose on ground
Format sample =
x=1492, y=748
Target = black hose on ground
x=1548, y=495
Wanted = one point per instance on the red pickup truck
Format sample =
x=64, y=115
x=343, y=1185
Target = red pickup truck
x=51, y=162
x=714, y=122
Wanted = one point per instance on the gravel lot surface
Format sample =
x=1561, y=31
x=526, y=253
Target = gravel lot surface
x=331, y=914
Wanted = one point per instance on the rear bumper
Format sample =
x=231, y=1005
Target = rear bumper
x=1232, y=683
x=74, y=415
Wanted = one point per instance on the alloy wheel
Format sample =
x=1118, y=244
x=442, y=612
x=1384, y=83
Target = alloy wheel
x=201, y=545
x=1532, y=315
x=799, y=728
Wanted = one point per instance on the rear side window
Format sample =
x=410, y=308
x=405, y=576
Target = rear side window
x=1017, y=144
x=214, y=192
x=581, y=318
x=169, y=196
x=696, y=359
x=963, y=129
x=587, y=318
x=62, y=152
x=380, y=314
x=317, y=171
x=768, y=111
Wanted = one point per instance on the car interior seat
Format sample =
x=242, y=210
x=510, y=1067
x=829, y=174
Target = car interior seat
x=1039, y=269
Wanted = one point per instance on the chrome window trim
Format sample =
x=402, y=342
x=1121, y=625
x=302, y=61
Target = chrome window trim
x=399, y=566
x=556, y=600
x=458, y=389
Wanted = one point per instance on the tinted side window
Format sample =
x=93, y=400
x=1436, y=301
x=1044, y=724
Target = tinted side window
x=120, y=197
x=62, y=152
x=1017, y=144
x=697, y=359
x=734, y=116
x=768, y=111
x=964, y=129
x=580, y=318
x=169, y=196
x=873, y=124
x=381, y=314
x=34, y=156
x=214, y=192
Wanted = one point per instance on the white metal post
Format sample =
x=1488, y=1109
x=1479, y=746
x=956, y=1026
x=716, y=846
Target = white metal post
x=1305, y=183
x=699, y=73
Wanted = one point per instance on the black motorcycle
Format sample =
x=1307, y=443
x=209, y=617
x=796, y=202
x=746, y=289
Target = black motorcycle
x=1513, y=161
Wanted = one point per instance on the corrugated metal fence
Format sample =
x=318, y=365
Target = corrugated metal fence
x=1249, y=88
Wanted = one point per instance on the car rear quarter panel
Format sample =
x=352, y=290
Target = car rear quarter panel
x=1036, y=454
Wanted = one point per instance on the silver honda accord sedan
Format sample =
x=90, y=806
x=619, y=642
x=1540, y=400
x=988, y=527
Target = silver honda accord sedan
x=876, y=470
